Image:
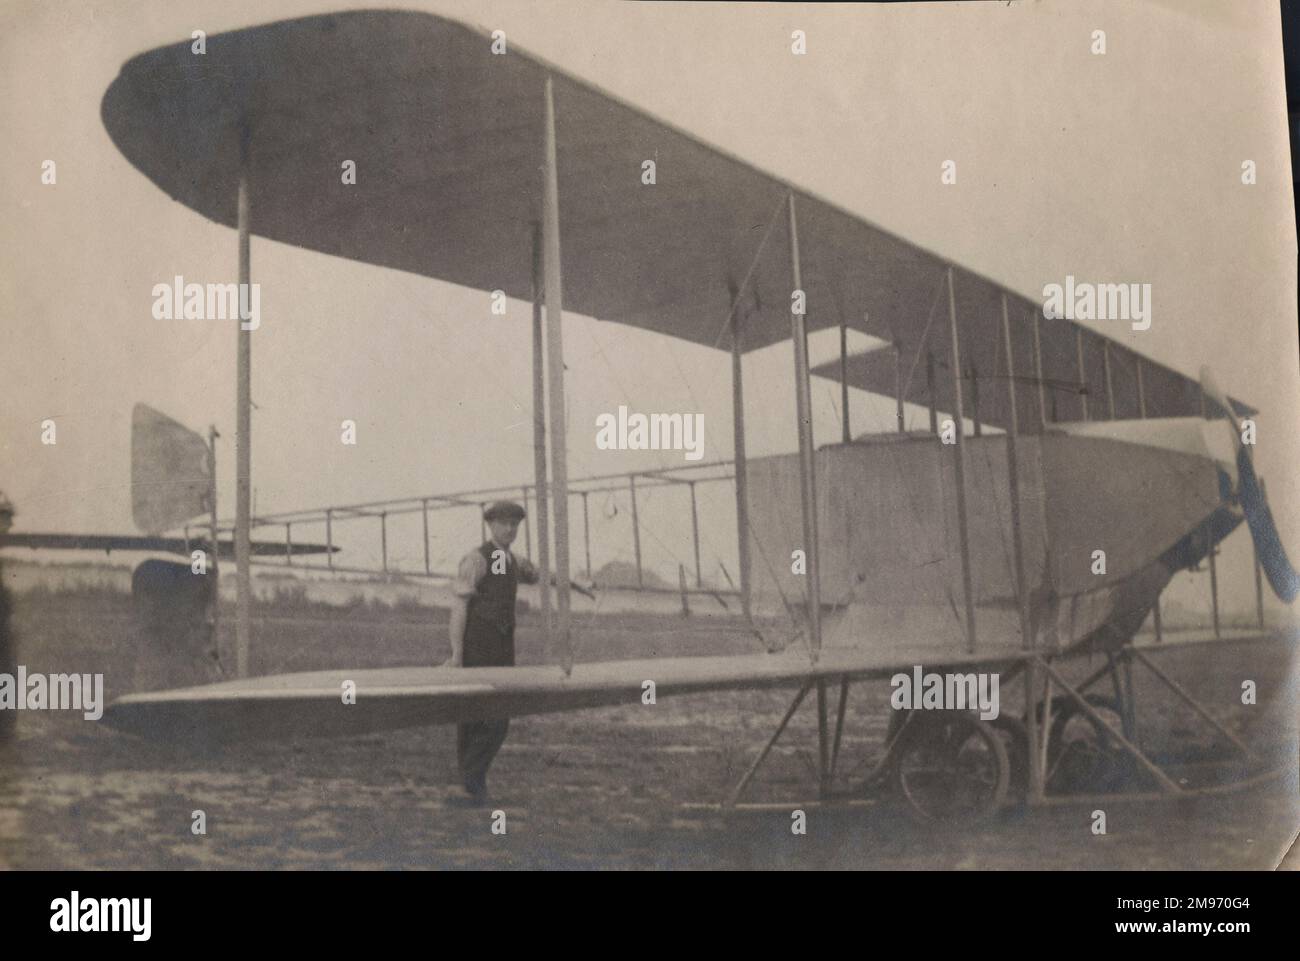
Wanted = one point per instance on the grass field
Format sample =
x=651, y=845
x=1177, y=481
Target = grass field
x=599, y=788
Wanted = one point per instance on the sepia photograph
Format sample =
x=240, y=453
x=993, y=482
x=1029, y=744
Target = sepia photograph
x=638, y=436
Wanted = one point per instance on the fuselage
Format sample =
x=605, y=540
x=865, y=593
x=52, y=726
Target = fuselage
x=1108, y=511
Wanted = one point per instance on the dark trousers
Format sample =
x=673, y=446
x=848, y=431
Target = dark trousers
x=477, y=744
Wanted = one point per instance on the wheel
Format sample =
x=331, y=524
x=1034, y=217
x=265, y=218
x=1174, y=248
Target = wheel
x=950, y=767
x=1081, y=756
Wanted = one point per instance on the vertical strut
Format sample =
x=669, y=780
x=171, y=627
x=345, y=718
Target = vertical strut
x=424, y=512
x=898, y=385
x=823, y=745
x=1110, y=389
x=959, y=462
x=636, y=531
x=929, y=389
x=742, y=473
x=846, y=433
x=1022, y=593
x=695, y=537
x=539, y=443
x=586, y=532
x=243, y=431
x=1038, y=373
x=215, y=612
x=807, y=475
x=1083, y=376
x=555, y=371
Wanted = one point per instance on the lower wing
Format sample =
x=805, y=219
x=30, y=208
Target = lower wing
x=344, y=702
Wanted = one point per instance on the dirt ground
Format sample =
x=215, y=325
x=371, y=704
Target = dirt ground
x=608, y=788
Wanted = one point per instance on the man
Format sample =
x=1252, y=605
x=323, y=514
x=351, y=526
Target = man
x=483, y=633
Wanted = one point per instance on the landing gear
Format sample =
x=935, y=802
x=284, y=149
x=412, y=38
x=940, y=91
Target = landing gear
x=940, y=767
x=950, y=767
x=1081, y=756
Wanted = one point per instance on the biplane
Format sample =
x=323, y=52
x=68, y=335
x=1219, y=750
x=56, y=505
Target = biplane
x=979, y=554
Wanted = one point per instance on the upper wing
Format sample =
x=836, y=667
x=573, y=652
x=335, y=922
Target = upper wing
x=1079, y=367
x=447, y=137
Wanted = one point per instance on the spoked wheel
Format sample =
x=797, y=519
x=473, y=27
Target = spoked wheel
x=950, y=767
x=1082, y=756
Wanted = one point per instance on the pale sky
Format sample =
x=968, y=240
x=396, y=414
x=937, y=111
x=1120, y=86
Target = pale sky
x=1123, y=167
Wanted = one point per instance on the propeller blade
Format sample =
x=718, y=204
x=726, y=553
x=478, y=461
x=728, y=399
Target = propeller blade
x=1282, y=576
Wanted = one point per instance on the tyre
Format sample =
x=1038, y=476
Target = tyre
x=950, y=768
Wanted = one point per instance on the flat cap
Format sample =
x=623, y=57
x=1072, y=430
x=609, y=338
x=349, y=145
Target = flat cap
x=504, y=511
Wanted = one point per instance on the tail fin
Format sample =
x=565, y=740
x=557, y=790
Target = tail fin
x=171, y=471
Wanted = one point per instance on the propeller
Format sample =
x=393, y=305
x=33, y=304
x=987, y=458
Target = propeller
x=1282, y=576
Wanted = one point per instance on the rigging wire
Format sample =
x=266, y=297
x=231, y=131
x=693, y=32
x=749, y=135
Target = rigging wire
x=929, y=320
x=772, y=220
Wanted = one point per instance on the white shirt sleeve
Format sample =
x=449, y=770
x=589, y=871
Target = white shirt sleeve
x=471, y=571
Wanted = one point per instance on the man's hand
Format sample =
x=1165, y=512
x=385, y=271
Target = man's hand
x=585, y=588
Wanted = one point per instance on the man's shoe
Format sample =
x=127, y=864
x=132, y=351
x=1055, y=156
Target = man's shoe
x=466, y=798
